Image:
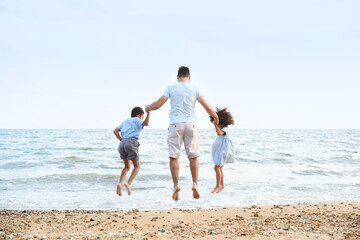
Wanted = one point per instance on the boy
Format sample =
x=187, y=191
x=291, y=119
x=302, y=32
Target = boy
x=129, y=145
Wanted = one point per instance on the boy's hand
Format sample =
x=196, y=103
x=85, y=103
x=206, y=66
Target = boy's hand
x=146, y=121
x=116, y=132
x=147, y=108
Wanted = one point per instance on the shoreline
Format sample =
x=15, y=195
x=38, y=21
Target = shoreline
x=339, y=220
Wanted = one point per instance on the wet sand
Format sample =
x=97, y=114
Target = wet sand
x=302, y=221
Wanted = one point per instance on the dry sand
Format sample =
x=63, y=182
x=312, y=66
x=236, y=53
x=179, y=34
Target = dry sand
x=310, y=221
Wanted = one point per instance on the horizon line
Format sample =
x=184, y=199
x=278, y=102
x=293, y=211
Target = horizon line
x=197, y=128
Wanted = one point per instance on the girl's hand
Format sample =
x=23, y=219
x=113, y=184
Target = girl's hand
x=219, y=132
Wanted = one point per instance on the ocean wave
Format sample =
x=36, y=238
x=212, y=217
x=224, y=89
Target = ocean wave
x=74, y=160
x=246, y=160
x=78, y=181
x=86, y=149
x=154, y=177
x=67, y=177
x=285, y=154
x=21, y=165
x=42, y=153
x=72, y=157
x=280, y=160
x=317, y=173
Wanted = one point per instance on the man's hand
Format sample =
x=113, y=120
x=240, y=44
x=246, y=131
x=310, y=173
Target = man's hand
x=147, y=108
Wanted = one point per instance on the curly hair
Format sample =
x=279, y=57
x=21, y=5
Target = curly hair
x=225, y=117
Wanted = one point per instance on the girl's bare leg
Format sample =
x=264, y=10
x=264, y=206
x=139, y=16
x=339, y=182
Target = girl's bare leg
x=134, y=172
x=122, y=176
x=222, y=179
x=218, y=179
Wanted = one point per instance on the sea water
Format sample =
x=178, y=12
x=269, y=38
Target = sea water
x=79, y=169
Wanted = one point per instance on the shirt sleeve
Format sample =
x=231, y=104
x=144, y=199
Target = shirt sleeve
x=225, y=130
x=198, y=93
x=139, y=123
x=119, y=127
x=167, y=92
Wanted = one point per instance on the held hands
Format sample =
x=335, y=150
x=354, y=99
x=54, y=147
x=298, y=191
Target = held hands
x=147, y=109
x=219, y=132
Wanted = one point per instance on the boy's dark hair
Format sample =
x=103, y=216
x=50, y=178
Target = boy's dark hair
x=225, y=117
x=136, y=111
x=183, y=71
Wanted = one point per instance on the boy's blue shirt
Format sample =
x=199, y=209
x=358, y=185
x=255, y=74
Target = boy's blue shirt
x=131, y=127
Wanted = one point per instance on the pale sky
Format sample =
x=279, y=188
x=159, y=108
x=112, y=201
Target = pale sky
x=273, y=64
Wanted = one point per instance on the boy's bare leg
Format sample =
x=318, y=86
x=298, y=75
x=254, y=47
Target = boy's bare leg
x=174, y=168
x=134, y=172
x=194, y=168
x=122, y=176
x=218, y=180
x=222, y=179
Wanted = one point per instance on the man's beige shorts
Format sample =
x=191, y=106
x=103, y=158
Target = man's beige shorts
x=183, y=132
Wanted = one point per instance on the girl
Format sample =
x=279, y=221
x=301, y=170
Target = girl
x=223, y=150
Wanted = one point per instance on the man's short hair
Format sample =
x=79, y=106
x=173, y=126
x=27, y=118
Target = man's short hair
x=136, y=111
x=183, y=71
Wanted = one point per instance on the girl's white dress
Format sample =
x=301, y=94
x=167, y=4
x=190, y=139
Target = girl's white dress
x=223, y=150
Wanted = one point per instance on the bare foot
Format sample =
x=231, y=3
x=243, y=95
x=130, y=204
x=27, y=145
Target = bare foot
x=196, y=193
x=175, y=195
x=127, y=185
x=217, y=189
x=221, y=188
x=118, y=189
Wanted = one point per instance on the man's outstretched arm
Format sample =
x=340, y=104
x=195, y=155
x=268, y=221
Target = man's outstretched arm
x=209, y=109
x=156, y=105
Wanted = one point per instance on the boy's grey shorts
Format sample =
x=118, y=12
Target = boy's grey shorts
x=129, y=149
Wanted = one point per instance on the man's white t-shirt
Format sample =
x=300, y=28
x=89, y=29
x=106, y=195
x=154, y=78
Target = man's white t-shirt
x=183, y=97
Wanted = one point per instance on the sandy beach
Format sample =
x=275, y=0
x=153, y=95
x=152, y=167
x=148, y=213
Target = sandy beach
x=302, y=221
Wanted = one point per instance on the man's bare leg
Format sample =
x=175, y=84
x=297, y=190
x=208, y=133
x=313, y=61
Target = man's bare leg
x=134, y=172
x=122, y=176
x=174, y=168
x=194, y=168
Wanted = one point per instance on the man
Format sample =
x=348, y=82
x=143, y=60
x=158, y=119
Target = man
x=183, y=95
